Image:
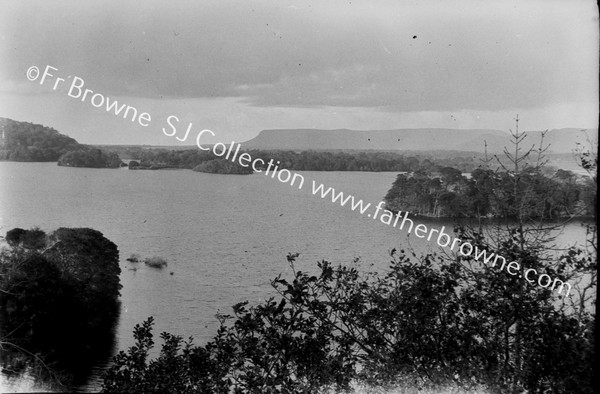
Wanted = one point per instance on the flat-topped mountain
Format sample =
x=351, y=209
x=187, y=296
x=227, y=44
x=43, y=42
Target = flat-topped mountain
x=561, y=140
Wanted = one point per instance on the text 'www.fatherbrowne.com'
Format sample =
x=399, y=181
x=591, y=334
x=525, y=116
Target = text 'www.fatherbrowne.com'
x=444, y=240
x=77, y=90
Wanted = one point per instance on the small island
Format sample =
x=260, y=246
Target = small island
x=91, y=158
x=444, y=192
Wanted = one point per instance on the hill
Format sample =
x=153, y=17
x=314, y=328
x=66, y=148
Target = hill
x=473, y=140
x=23, y=141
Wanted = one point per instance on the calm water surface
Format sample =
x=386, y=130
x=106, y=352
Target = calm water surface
x=224, y=236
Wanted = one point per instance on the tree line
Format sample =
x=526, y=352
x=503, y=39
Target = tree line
x=25, y=141
x=307, y=160
x=433, y=321
x=440, y=321
x=445, y=192
x=429, y=323
x=91, y=158
x=29, y=142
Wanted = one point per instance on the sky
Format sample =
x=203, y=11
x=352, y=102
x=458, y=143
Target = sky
x=238, y=67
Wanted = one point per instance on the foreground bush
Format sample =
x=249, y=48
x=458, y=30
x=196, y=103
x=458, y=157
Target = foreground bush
x=429, y=322
x=416, y=326
x=58, y=301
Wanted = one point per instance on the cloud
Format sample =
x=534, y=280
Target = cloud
x=391, y=56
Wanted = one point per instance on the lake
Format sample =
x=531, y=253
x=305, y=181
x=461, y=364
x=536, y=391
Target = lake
x=225, y=237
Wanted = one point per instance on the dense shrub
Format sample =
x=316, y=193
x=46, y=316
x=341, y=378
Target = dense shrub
x=58, y=298
x=439, y=320
x=432, y=322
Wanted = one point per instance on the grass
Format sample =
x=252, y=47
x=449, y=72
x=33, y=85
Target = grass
x=156, y=262
x=134, y=258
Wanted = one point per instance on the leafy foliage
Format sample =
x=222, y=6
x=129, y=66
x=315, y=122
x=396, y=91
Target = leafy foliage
x=306, y=160
x=28, y=239
x=519, y=187
x=33, y=142
x=488, y=193
x=92, y=158
x=437, y=320
x=58, y=297
x=427, y=323
x=223, y=166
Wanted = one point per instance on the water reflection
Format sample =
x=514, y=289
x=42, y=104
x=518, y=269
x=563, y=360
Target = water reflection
x=71, y=364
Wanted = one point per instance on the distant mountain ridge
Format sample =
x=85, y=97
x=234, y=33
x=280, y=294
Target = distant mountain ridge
x=426, y=139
